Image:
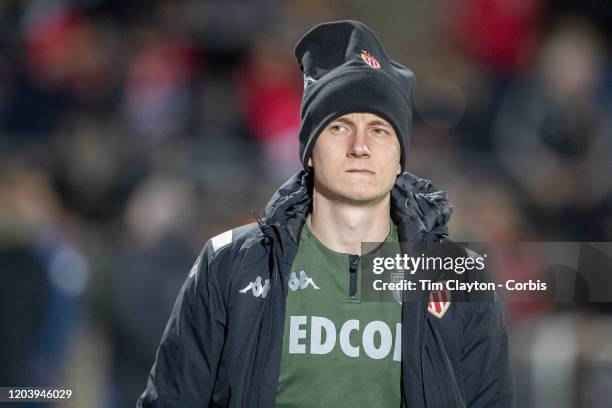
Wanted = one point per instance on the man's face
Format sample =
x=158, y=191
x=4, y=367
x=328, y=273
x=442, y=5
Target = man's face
x=356, y=159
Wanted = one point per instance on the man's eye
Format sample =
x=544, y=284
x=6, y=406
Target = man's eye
x=381, y=131
x=337, y=128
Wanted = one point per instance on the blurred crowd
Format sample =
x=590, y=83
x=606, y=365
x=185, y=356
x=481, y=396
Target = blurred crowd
x=131, y=132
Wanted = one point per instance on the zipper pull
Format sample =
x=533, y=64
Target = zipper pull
x=262, y=226
x=353, y=265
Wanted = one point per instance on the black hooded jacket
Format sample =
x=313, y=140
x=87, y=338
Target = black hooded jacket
x=222, y=348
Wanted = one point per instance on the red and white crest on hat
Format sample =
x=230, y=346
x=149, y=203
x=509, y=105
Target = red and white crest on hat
x=439, y=302
x=369, y=59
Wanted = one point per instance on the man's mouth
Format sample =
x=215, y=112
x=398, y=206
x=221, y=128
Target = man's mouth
x=360, y=171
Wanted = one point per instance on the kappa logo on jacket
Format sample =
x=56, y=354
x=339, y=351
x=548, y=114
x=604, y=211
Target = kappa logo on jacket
x=256, y=288
x=302, y=282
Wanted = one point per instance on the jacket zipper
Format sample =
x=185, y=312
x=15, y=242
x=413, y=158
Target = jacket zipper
x=353, y=266
x=276, y=269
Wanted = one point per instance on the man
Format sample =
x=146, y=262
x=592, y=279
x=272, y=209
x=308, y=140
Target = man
x=271, y=313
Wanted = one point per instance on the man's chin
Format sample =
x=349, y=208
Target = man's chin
x=360, y=197
x=348, y=192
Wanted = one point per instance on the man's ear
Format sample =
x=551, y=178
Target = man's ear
x=310, y=161
x=399, y=169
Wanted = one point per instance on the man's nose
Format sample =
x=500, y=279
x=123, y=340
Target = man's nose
x=359, y=144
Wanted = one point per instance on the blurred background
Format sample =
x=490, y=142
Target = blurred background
x=131, y=132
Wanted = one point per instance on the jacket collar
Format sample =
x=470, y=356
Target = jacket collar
x=420, y=211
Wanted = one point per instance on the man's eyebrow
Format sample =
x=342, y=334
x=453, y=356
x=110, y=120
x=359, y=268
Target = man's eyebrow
x=343, y=120
x=377, y=122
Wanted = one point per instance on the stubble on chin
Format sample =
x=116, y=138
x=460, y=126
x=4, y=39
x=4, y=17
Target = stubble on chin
x=355, y=195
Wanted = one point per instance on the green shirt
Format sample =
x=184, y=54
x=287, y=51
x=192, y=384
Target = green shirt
x=337, y=350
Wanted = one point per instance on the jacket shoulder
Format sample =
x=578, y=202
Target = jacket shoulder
x=226, y=246
x=222, y=250
x=232, y=239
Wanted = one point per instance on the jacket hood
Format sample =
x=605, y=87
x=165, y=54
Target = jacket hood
x=420, y=211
